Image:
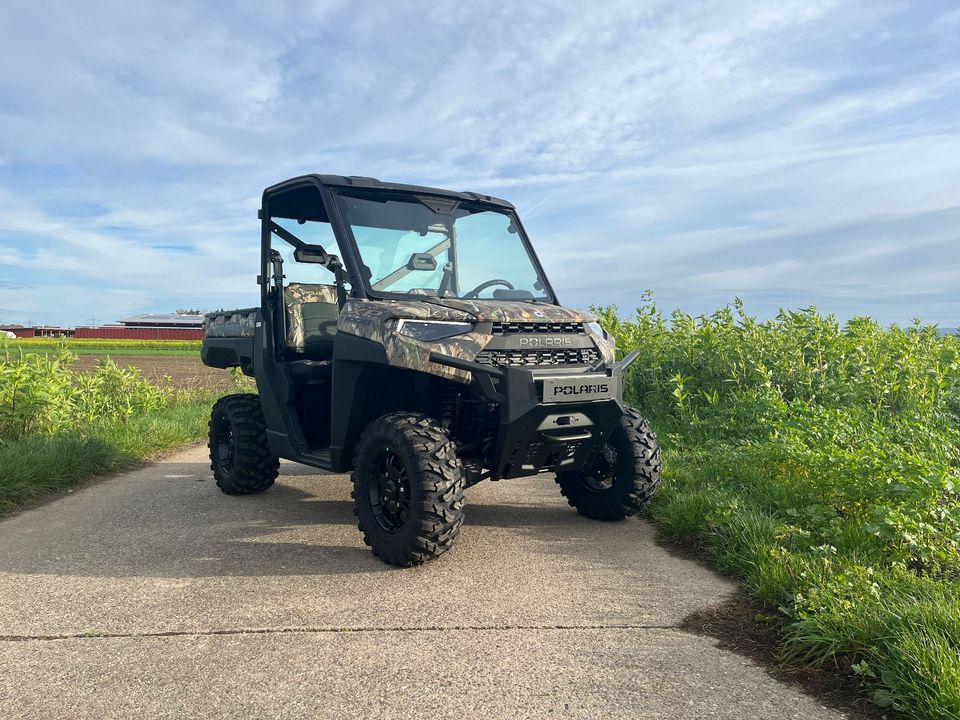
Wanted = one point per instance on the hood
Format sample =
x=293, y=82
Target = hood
x=512, y=311
x=370, y=319
x=376, y=312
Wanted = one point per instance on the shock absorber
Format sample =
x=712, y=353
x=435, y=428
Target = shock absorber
x=449, y=405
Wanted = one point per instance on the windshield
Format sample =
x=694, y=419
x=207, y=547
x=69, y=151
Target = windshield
x=441, y=247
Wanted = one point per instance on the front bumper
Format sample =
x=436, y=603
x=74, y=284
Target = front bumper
x=535, y=434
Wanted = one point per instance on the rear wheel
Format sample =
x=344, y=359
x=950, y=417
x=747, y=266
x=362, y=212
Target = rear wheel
x=239, y=454
x=622, y=478
x=408, y=485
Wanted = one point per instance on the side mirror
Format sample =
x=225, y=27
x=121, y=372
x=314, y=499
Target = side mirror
x=422, y=261
x=311, y=254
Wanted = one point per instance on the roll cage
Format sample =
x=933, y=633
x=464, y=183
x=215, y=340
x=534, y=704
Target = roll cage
x=296, y=199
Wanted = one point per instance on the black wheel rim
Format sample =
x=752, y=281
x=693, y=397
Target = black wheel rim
x=388, y=487
x=224, y=445
x=598, y=476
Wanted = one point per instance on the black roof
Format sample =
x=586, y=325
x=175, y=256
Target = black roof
x=354, y=181
x=164, y=320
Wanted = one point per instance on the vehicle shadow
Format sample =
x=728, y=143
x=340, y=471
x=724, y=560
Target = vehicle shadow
x=179, y=525
x=182, y=526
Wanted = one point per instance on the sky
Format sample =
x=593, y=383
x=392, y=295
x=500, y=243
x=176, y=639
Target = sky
x=793, y=153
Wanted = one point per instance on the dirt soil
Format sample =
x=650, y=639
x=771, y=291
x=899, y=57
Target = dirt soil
x=183, y=371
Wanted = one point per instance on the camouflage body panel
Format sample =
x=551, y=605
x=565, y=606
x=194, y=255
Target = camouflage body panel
x=232, y=323
x=371, y=319
x=409, y=353
x=366, y=317
x=376, y=320
x=295, y=296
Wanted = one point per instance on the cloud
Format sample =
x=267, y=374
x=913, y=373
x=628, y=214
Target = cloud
x=701, y=149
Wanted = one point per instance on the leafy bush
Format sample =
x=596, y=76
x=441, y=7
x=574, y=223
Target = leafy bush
x=59, y=425
x=36, y=465
x=40, y=394
x=821, y=463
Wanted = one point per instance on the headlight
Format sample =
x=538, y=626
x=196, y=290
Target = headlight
x=597, y=330
x=430, y=330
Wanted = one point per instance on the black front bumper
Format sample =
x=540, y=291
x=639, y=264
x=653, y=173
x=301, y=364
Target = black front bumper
x=534, y=436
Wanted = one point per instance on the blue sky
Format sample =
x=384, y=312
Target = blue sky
x=791, y=153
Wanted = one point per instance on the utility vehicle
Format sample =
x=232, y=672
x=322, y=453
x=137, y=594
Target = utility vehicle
x=409, y=334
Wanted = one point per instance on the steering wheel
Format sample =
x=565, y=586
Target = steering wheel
x=483, y=286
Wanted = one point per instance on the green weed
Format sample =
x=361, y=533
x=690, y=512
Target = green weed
x=820, y=463
x=59, y=426
x=36, y=465
x=41, y=394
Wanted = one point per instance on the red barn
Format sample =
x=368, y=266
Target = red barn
x=44, y=331
x=151, y=326
x=18, y=330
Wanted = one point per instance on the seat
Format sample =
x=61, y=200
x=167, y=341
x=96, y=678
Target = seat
x=311, y=372
x=312, y=313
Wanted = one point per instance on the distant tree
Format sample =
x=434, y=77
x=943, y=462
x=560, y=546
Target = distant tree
x=183, y=311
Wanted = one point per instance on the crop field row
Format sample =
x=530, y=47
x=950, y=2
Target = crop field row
x=162, y=362
x=179, y=371
x=85, y=346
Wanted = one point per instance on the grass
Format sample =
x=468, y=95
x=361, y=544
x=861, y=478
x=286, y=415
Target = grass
x=820, y=464
x=83, y=346
x=60, y=425
x=847, y=603
x=37, y=465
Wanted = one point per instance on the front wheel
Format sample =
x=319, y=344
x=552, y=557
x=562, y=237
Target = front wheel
x=408, y=485
x=623, y=476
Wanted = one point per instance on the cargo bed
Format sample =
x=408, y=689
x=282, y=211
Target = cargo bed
x=228, y=339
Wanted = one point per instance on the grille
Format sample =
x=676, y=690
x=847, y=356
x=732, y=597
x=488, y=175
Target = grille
x=539, y=358
x=553, y=328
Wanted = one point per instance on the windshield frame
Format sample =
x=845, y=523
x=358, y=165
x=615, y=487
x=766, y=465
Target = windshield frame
x=549, y=297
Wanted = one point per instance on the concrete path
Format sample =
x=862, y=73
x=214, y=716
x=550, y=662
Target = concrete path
x=152, y=594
